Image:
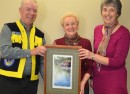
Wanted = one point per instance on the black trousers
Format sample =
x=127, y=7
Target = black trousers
x=86, y=90
x=18, y=86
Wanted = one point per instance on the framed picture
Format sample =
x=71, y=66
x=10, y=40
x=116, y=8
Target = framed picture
x=62, y=70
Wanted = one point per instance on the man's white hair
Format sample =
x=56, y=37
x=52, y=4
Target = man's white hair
x=24, y=1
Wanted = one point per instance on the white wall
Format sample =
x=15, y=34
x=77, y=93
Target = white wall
x=50, y=12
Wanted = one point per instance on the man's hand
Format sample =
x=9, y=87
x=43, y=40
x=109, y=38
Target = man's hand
x=40, y=50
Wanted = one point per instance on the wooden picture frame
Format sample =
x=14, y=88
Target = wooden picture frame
x=62, y=70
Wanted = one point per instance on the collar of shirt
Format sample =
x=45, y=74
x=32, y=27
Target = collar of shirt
x=25, y=26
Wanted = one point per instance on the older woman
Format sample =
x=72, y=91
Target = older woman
x=111, y=46
x=70, y=24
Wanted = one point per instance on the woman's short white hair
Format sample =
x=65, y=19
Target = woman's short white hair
x=69, y=14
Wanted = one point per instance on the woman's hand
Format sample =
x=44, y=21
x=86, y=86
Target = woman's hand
x=85, y=54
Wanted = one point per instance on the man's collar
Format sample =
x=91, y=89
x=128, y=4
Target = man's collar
x=25, y=24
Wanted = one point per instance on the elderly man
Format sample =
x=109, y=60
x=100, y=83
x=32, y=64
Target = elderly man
x=22, y=51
